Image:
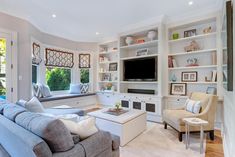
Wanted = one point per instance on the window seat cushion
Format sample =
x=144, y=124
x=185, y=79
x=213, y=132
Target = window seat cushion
x=64, y=96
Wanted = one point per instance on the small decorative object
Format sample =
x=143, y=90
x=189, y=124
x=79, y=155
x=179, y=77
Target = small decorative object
x=109, y=86
x=214, y=58
x=211, y=90
x=114, y=48
x=178, y=89
x=118, y=105
x=101, y=58
x=106, y=77
x=192, y=47
x=103, y=49
x=190, y=76
x=113, y=67
x=175, y=36
x=207, y=30
x=152, y=35
x=139, y=41
x=174, y=63
x=190, y=33
x=141, y=52
x=207, y=80
x=129, y=40
x=192, y=62
x=173, y=78
x=101, y=69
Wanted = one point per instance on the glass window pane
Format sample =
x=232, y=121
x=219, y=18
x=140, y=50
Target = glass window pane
x=84, y=75
x=34, y=73
x=58, y=78
x=2, y=68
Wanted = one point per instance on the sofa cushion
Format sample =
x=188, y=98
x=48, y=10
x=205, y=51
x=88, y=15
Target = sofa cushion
x=176, y=116
x=34, y=105
x=10, y=111
x=97, y=143
x=76, y=151
x=3, y=152
x=202, y=97
x=21, y=103
x=50, y=129
x=76, y=138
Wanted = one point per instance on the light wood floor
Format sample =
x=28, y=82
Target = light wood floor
x=215, y=148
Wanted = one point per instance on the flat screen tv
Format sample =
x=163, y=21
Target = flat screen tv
x=140, y=69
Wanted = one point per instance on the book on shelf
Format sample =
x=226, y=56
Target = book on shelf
x=214, y=76
x=225, y=74
x=214, y=58
x=170, y=63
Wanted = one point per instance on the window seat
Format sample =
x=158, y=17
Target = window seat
x=64, y=96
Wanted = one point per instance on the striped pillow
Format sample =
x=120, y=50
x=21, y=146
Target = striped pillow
x=193, y=106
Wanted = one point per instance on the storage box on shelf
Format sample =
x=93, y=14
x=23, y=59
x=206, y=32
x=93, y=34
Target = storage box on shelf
x=193, y=47
x=108, y=67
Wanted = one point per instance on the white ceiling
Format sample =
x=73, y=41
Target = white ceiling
x=79, y=20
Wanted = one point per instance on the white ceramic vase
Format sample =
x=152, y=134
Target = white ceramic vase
x=129, y=40
x=152, y=35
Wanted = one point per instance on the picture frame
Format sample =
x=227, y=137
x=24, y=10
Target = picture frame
x=178, y=89
x=113, y=67
x=211, y=90
x=189, y=76
x=190, y=33
x=106, y=77
x=141, y=52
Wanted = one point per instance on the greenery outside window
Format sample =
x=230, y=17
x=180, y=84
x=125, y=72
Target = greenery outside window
x=58, y=78
x=34, y=73
x=84, y=75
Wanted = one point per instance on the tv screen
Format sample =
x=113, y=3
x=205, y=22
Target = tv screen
x=140, y=69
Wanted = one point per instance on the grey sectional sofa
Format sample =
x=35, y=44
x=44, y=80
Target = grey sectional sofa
x=27, y=134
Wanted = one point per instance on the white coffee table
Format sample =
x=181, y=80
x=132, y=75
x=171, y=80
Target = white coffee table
x=127, y=126
x=194, y=122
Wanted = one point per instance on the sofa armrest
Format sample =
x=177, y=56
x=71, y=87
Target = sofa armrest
x=115, y=142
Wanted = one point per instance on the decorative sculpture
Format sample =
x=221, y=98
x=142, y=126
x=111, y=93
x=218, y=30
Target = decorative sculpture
x=192, y=47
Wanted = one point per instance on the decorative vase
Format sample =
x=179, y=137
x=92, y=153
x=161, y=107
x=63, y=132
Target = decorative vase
x=173, y=78
x=152, y=35
x=129, y=40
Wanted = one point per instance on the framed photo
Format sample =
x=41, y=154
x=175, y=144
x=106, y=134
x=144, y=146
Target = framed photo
x=178, y=89
x=189, y=76
x=106, y=77
x=141, y=52
x=190, y=33
x=211, y=90
x=113, y=67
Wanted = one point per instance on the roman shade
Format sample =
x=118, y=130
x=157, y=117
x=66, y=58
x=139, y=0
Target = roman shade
x=84, y=61
x=59, y=58
x=36, y=58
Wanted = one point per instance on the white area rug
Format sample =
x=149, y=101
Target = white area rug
x=158, y=142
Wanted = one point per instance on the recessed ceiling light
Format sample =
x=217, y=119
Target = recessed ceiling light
x=190, y=3
x=97, y=33
x=53, y=15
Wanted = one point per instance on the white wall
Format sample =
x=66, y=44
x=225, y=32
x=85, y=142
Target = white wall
x=229, y=111
x=25, y=31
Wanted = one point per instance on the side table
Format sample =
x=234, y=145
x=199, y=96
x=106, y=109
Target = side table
x=194, y=122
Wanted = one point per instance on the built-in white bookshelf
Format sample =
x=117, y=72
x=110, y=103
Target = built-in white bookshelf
x=129, y=52
x=194, y=51
x=108, y=67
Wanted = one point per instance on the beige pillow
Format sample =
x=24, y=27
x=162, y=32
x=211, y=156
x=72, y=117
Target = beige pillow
x=84, y=128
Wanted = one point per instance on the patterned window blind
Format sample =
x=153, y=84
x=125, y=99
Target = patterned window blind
x=59, y=58
x=84, y=61
x=36, y=59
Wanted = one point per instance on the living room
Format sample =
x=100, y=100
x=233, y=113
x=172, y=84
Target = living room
x=88, y=79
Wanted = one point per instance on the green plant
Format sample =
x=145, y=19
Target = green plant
x=84, y=75
x=58, y=78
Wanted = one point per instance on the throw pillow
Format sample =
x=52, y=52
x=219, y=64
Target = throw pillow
x=75, y=89
x=46, y=91
x=193, y=106
x=21, y=102
x=84, y=128
x=34, y=105
x=84, y=88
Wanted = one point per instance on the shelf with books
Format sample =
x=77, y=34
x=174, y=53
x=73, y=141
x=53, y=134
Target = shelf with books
x=193, y=52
